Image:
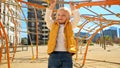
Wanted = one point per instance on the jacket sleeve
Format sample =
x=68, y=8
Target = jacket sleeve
x=76, y=18
x=48, y=19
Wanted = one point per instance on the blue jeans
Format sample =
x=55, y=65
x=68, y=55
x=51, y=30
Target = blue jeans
x=60, y=60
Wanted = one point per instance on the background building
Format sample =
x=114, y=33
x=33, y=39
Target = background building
x=43, y=31
x=112, y=32
x=119, y=32
x=6, y=19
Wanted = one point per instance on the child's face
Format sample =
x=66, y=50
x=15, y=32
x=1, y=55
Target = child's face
x=61, y=16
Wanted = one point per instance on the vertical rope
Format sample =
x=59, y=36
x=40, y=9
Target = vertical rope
x=7, y=48
x=36, y=33
x=16, y=38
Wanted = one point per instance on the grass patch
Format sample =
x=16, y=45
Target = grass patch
x=91, y=44
x=118, y=44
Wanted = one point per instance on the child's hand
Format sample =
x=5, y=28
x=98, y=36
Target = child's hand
x=72, y=5
x=52, y=4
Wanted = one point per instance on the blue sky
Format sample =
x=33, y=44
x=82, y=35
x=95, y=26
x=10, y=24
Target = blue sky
x=24, y=23
x=97, y=9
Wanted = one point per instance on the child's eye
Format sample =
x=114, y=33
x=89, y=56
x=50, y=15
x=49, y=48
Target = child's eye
x=63, y=15
x=58, y=15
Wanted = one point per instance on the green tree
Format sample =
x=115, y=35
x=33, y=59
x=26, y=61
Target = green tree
x=108, y=40
x=24, y=41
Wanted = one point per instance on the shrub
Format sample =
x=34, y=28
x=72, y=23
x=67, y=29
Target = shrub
x=91, y=44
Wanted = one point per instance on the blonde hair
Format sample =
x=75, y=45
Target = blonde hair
x=66, y=10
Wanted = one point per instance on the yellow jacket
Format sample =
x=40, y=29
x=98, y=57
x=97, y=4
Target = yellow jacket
x=70, y=42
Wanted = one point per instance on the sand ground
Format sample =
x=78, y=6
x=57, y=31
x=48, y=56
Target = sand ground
x=97, y=57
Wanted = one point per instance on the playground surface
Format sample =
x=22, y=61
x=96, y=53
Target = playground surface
x=97, y=57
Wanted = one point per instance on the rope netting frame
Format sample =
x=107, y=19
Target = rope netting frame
x=103, y=23
x=4, y=38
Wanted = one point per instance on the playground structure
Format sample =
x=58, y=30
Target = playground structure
x=92, y=24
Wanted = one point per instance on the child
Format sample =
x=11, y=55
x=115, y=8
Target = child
x=61, y=43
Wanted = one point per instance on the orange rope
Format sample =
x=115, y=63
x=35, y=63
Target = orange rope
x=95, y=18
x=6, y=39
x=0, y=47
x=88, y=43
x=32, y=4
x=15, y=43
x=36, y=33
x=100, y=3
x=76, y=58
x=0, y=54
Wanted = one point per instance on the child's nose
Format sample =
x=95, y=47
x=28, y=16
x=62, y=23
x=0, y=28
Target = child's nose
x=60, y=16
